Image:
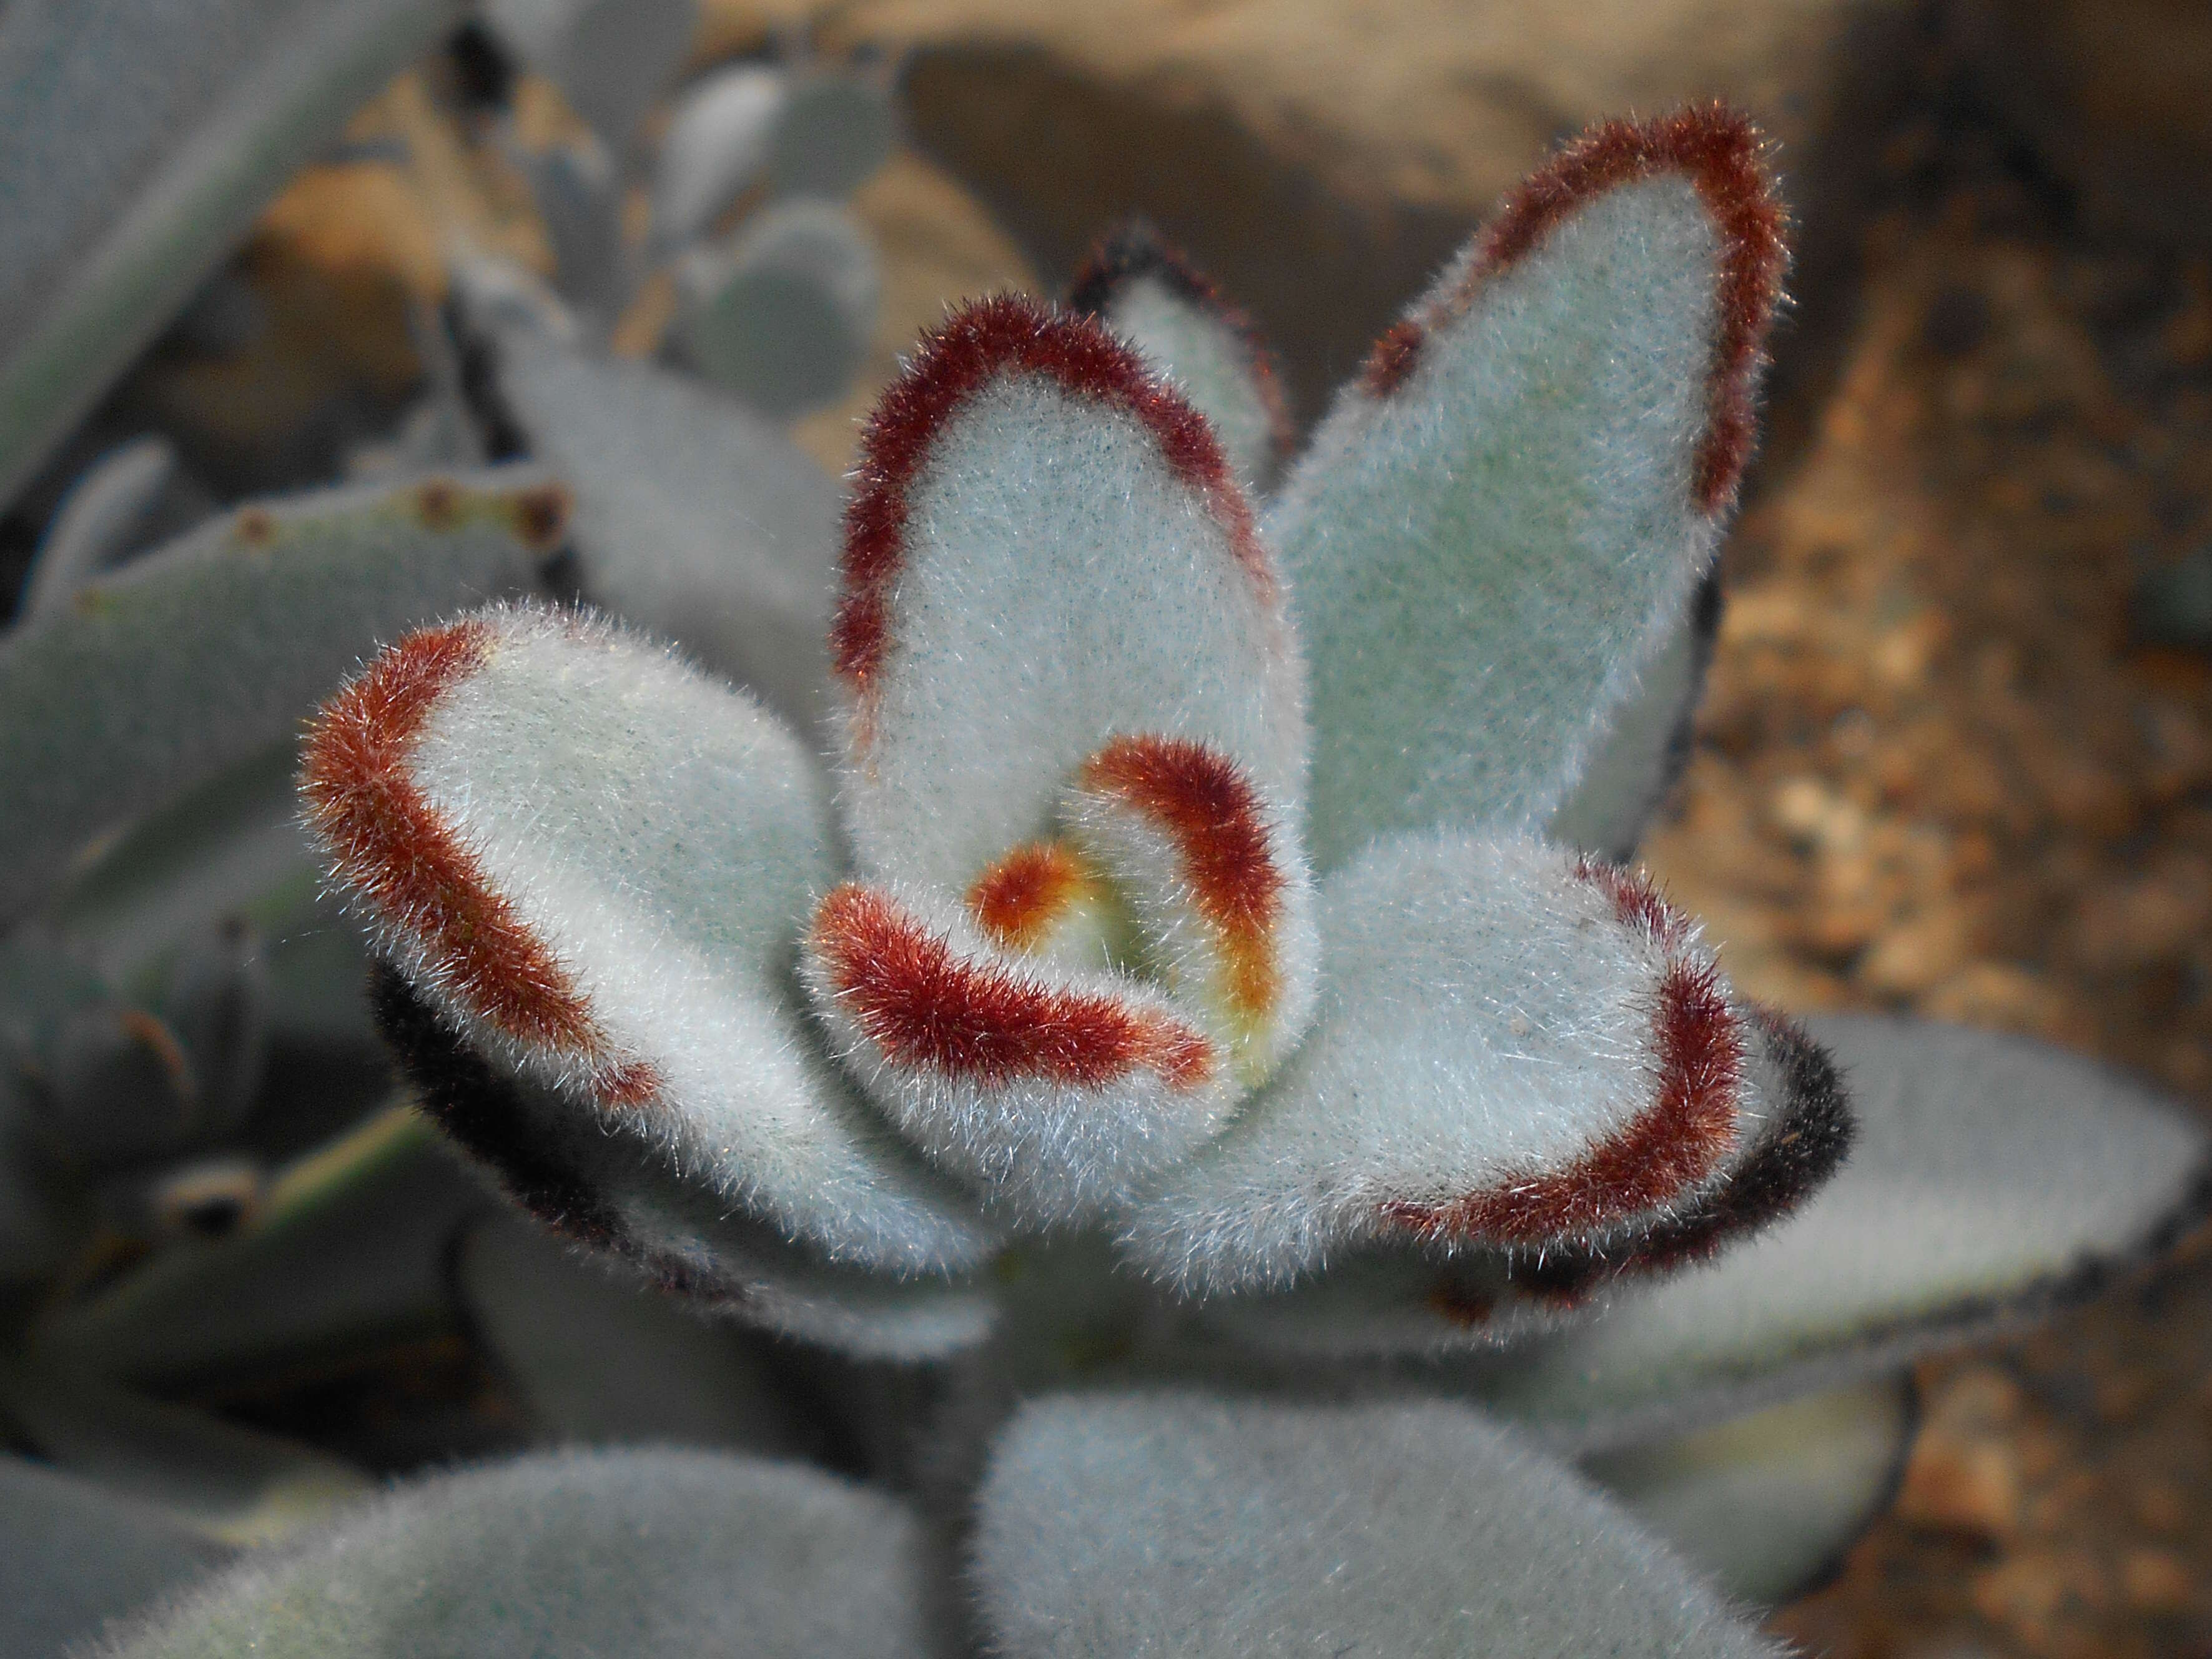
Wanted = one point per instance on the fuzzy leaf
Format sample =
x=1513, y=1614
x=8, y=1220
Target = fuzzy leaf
x=205, y=107
x=1072, y=768
x=616, y=1197
x=584, y=1555
x=600, y=1359
x=202, y=655
x=1521, y=1056
x=1146, y=293
x=74, y=1554
x=595, y=862
x=1212, y=1528
x=232, y=1485
x=1639, y=757
x=781, y=316
x=696, y=518
x=1493, y=530
x=1768, y=1503
x=1992, y=1178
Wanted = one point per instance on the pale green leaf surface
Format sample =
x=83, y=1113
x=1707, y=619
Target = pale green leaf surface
x=1992, y=1177
x=1485, y=557
x=74, y=1554
x=601, y=1357
x=232, y=1485
x=696, y=519
x=1143, y=1526
x=585, y=1555
x=781, y=316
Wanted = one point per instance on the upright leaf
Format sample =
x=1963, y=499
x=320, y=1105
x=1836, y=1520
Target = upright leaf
x=1494, y=529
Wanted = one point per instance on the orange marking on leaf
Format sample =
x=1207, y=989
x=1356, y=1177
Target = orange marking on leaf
x=924, y=1005
x=1675, y=1144
x=1206, y=804
x=1017, y=901
x=391, y=847
x=1719, y=152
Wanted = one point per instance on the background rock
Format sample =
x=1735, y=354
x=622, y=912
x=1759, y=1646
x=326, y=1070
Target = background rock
x=1322, y=160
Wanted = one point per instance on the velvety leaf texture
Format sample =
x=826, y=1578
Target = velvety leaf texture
x=197, y=656
x=1492, y=532
x=587, y=1555
x=1140, y=1527
x=1994, y=1177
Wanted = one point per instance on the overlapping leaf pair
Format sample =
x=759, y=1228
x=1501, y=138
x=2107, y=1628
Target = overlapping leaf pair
x=1065, y=933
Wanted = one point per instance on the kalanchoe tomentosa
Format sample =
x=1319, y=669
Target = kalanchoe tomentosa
x=1188, y=888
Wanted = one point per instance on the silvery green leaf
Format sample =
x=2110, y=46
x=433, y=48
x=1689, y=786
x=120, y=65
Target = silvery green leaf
x=835, y=128
x=105, y=509
x=204, y=107
x=350, y=1248
x=206, y=653
x=781, y=316
x=1993, y=1178
x=218, y=849
x=696, y=518
x=593, y=862
x=580, y=1555
x=611, y=58
x=1494, y=528
x=719, y=137
x=601, y=1356
x=74, y=1554
x=233, y=1484
x=1147, y=293
x=1638, y=758
x=607, y=1193
x=1767, y=1504
x=1216, y=1528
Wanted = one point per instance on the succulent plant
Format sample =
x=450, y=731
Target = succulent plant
x=1181, y=1028
x=1230, y=1158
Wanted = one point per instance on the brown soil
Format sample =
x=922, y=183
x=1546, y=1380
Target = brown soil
x=1939, y=772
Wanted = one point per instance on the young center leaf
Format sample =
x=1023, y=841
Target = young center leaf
x=1080, y=925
